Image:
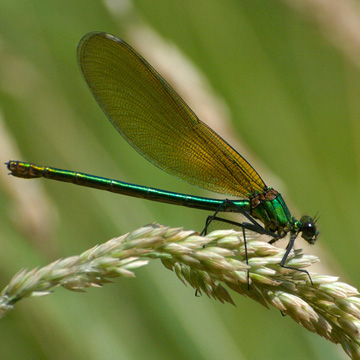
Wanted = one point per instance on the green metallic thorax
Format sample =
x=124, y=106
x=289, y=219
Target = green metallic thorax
x=270, y=208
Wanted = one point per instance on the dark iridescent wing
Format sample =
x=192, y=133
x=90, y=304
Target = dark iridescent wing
x=153, y=118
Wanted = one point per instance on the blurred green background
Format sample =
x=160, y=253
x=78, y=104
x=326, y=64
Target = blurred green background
x=288, y=97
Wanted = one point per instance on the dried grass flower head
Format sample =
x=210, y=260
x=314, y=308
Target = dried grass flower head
x=211, y=264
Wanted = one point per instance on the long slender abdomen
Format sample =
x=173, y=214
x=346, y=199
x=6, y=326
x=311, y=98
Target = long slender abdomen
x=31, y=171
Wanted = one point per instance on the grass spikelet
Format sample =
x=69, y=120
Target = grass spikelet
x=211, y=264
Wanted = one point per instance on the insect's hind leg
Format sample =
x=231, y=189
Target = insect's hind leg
x=228, y=204
x=213, y=217
x=252, y=225
x=243, y=226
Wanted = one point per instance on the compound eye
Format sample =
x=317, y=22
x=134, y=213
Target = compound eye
x=309, y=232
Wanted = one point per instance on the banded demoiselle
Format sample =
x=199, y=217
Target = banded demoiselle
x=154, y=119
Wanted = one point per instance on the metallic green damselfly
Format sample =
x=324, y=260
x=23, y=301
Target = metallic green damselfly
x=154, y=119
